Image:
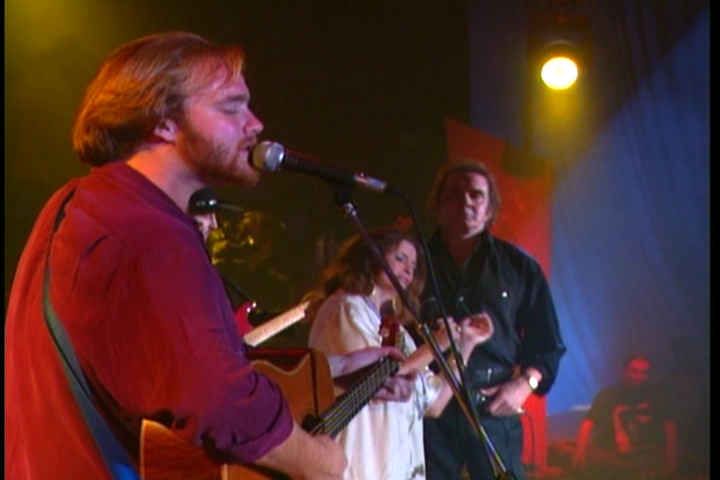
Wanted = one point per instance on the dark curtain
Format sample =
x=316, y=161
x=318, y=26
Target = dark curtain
x=631, y=215
x=631, y=221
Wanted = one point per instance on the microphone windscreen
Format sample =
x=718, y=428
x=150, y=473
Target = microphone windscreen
x=202, y=201
x=267, y=155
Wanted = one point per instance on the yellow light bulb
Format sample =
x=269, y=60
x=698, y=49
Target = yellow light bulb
x=559, y=73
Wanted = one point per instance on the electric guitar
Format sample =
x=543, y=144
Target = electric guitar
x=164, y=456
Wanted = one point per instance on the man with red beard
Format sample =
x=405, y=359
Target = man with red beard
x=132, y=286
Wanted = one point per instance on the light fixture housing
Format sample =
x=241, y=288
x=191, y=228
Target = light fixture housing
x=558, y=49
x=560, y=64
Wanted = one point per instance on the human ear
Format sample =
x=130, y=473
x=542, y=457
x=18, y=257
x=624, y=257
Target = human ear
x=489, y=214
x=166, y=129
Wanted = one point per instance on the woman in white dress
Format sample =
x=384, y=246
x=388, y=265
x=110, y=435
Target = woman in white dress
x=384, y=441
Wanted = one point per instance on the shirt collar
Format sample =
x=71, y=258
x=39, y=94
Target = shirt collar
x=121, y=173
x=482, y=247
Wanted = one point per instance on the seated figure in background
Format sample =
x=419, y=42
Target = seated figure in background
x=629, y=432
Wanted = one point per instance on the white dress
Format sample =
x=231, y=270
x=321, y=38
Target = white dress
x=384, y=441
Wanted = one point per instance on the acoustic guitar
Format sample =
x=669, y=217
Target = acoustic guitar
x=305, y=382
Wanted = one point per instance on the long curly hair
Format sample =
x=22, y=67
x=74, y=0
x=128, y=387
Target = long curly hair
x=354, y=269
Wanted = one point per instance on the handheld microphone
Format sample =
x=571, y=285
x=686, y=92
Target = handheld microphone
x=205, y=201
x=271, y=156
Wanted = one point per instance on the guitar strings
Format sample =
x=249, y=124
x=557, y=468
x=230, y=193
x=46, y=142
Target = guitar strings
x=337, y=418
x=346, y=406
x=340, y=414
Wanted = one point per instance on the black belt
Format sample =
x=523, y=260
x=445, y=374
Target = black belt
x=483, y=378
x=486, y=377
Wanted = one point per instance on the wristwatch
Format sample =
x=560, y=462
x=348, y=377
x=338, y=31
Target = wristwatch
x=532, y=381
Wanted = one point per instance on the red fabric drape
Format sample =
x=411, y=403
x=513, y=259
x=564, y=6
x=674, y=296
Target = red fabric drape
x=524, y=219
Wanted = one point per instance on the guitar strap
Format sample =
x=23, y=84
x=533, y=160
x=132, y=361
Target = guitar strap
x=113, y=453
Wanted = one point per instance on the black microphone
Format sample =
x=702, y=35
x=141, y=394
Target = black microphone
x=205, y=201
x=271, y=156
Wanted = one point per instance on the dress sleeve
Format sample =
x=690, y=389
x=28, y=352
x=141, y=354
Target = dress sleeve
x=427, y=384
x=344, y=324
x=428, y=387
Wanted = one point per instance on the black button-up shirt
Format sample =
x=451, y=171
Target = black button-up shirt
x=509, y=285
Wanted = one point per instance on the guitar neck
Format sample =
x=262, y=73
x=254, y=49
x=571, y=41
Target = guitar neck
x=339, y=414
x=258, y=335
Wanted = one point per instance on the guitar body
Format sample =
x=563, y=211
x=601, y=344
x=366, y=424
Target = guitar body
x=303, y=375
x=165, y=456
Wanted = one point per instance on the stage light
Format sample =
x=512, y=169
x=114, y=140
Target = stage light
x=558, y=49
x=559, y=73
x=560, y=65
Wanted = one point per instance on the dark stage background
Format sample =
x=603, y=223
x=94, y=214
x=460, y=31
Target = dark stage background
x=629, y=148
x=363, y=86
x=368, y=85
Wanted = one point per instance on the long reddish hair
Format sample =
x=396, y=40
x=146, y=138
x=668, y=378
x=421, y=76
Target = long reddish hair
x=354, y=268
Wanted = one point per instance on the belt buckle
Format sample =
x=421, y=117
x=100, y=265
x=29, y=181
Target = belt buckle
x=480, y=398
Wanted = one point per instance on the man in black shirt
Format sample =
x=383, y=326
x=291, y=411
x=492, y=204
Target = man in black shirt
x=479, y=272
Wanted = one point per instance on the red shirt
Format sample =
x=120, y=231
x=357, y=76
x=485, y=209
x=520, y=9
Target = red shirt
x=150, y=324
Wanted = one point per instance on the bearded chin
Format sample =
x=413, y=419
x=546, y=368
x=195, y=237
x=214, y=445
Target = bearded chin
x=211, y=162
x=212, y=165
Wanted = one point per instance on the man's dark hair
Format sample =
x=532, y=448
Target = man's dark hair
x=465, y=165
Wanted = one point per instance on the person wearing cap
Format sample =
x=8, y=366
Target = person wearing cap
x=479, y=272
